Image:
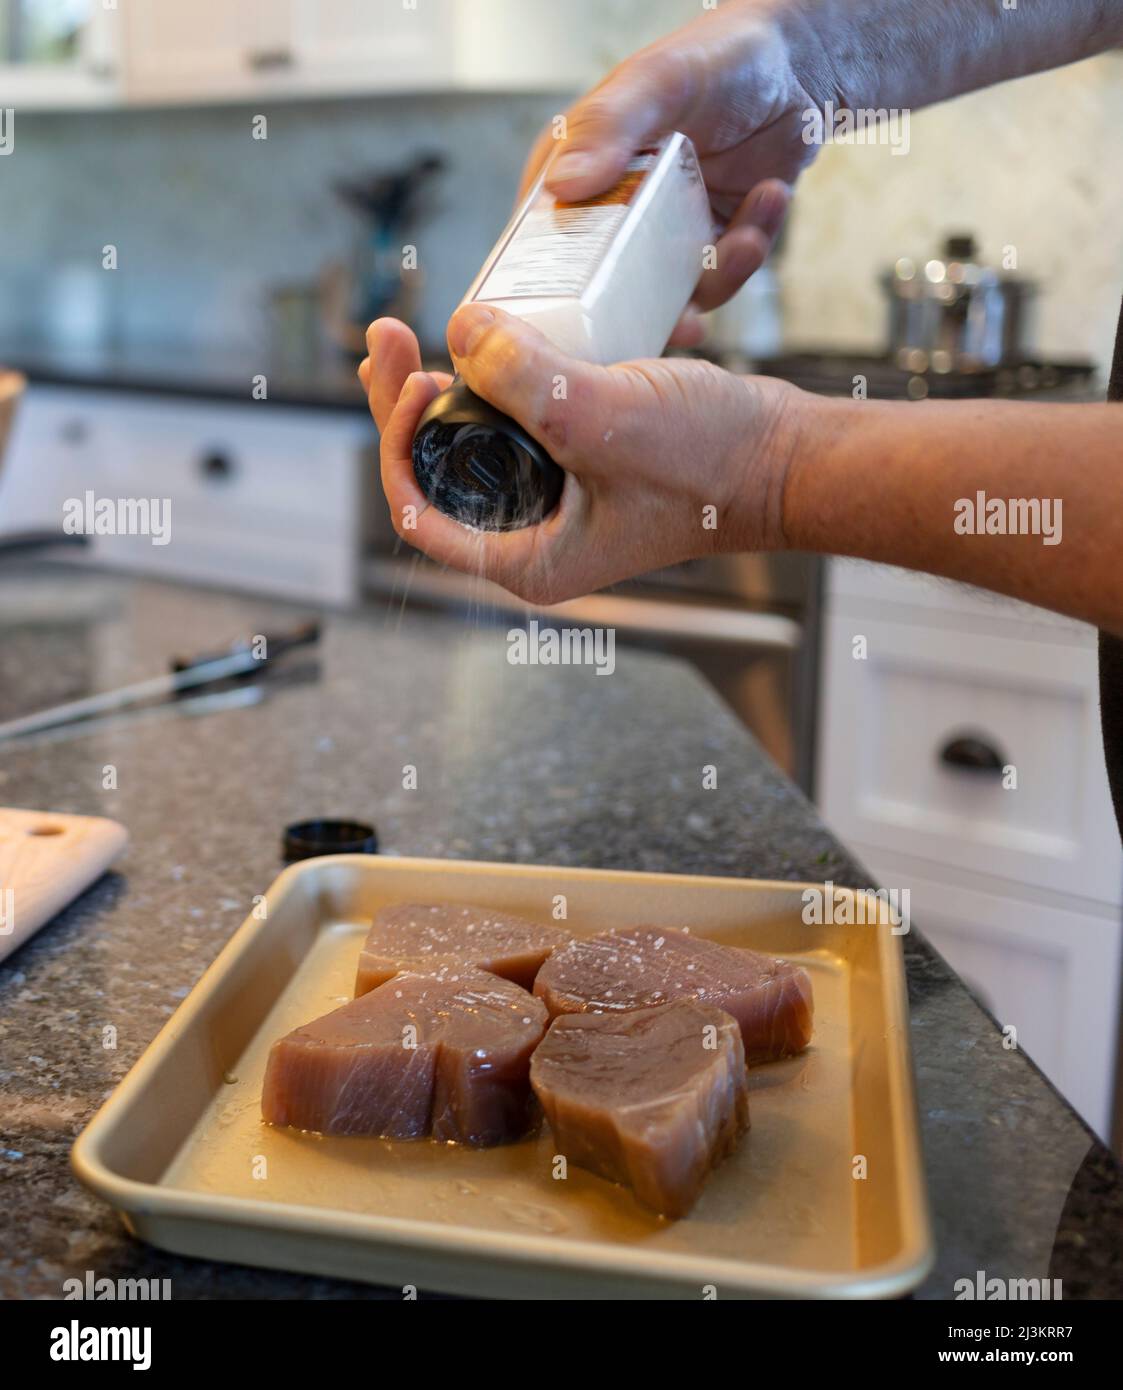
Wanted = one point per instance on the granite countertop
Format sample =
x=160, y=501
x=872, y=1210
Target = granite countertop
x=554, y=766
x=328, y=381
x=211, y=374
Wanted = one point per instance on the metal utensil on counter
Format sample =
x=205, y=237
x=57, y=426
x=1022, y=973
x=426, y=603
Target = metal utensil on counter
x=241, y=660
x=20, y=542
x=954, y=314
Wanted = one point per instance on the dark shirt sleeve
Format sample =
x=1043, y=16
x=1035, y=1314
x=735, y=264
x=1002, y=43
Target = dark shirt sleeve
x=1111, y=648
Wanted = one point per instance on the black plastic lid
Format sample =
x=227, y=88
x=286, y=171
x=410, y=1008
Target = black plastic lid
x=479, y=466
x=308, y=839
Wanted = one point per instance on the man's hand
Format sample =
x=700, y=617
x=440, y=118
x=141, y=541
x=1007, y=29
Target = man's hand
x=739, y=81
x=726, y=80
x=665, y=460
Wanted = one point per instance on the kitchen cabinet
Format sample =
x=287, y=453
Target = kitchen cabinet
x=293, y=48
x=175, y=52
x=506, y=45
x=960, y=755
x=59, y=53
x=372, y=46
x=510, y=45
x=1050, y=973
x=55, y=438
x=262, y=498
x=208, y=50
x=213, y=51
x=909, y=722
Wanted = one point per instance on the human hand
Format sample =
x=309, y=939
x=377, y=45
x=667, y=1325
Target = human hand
x=665, y=460
x=729, y=80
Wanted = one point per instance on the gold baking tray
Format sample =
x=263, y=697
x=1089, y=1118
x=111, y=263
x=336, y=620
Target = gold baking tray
x=180, y=1149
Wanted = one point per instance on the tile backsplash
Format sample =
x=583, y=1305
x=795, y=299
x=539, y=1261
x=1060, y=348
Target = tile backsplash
x=1031, y=164
x=206, y=219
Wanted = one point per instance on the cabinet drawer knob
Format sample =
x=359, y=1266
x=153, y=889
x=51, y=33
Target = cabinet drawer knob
x=269, y=59
x=972, y=753
x=216, y=467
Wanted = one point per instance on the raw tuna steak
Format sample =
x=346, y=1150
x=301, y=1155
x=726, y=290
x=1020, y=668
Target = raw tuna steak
x=644, y=966
x=427, y=937
x=653, y=1098
x=446, y=1055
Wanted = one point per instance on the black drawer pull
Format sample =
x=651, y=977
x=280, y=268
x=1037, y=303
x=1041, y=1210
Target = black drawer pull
x=269, y=59
x=970, y=753
x=216, y=467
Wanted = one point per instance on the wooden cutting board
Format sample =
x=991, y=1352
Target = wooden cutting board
x=46, y=860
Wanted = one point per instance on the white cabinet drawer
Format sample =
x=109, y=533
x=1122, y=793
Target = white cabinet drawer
x=1051, y=973
x=281, y=470
x=55, y=437
x=891, y=729
x=858, y=587
x=261, y=497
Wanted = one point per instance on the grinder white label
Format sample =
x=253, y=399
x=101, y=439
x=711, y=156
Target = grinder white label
x=556, y=247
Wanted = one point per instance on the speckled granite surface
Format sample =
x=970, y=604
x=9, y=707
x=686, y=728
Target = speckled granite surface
x=513, y=764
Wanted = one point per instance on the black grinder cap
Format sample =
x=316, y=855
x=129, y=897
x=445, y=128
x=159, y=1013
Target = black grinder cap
x=308, y=839
x=479, y=466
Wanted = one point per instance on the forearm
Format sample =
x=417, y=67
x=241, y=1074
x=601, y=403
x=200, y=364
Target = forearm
x=910, y=53
x=929, y=487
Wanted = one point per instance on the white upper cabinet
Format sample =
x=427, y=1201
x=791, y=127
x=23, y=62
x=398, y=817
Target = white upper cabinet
x=212, y=50
x=207, y=50
x=153, y=52
x=541, y=45
x=373, y=46
x=59, y=53
x=512, y=46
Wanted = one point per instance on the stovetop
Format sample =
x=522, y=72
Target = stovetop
x=835, y=374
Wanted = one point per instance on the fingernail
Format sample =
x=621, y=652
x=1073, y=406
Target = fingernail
x=770, y=208
x=414, y=383
x=572, y=165
x=363, y=369
x=466, y=327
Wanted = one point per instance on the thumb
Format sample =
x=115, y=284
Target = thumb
x=636, y=103
x=519, y=371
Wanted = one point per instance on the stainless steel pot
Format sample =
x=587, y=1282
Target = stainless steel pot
x=953, y=314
